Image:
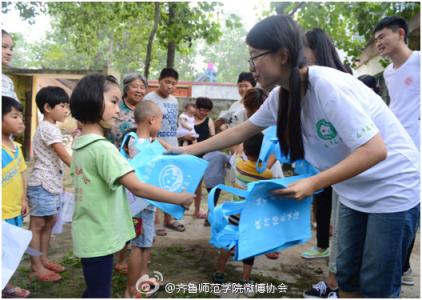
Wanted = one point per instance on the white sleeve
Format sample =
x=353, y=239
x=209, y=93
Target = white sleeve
x=267, y=114
x=348, y=116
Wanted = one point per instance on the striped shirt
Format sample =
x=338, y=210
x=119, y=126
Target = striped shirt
x=246, y=172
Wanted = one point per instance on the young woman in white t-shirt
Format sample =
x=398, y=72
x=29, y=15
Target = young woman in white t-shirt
x=344, y=129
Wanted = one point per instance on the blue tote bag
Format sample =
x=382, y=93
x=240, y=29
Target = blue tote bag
x=271, y=146
x=174, y=173
x=267, y=223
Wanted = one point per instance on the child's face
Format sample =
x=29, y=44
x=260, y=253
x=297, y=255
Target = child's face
x=167, y=86
x=7, y=49
x=111, y=106
x=156, y=121
x=12, y=122
x=58, y=113
x=243, y=86
x=190, y=111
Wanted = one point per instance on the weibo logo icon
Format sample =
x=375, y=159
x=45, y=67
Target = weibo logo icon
x=171, y=178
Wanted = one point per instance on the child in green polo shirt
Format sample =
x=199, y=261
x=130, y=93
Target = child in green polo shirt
x=102, y=222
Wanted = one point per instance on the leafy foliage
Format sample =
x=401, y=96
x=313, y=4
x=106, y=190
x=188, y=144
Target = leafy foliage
x=115, y=34
x=350, y=24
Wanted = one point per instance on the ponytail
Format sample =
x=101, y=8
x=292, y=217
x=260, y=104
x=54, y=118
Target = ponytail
x=289, y=125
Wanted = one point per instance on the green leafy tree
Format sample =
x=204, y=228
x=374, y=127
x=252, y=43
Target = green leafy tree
x=185, y=23
x=122, y=34
x=350, y=24
x=229, y=54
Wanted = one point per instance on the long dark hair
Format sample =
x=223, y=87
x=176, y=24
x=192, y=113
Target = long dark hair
x=323, y=48
x=282, y=32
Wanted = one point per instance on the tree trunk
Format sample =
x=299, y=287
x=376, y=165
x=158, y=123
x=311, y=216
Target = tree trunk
x=171, y=47
x=151, y=39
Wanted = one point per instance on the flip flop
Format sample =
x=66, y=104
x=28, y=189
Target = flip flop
x=121, y=269
x=176, y=226
x=201, y=215
x=55, y=267
x=15, y=292
x=272, y=255
x=49, y=277
x=160, y=231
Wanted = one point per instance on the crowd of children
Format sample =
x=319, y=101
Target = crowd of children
x=323, y=114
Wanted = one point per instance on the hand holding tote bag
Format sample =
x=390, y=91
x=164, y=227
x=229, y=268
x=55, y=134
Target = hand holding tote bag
x=267, y=222
x=175, y=173
x=271, y=146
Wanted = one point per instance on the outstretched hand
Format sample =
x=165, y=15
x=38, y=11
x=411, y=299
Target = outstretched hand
x=298, y=190
x=186, y=199
x=174, y=151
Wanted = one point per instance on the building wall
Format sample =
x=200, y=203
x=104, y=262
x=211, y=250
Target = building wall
x=227, y=91
x=216, y=92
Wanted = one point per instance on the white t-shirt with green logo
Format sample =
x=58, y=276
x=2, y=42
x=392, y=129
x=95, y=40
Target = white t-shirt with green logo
x=339, y=114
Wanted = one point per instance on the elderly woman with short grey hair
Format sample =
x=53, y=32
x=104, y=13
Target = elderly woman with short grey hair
x=134, y=89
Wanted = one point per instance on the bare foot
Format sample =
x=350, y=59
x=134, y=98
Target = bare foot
x=53, y=266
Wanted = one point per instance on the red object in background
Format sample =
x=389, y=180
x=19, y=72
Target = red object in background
x=137, y=223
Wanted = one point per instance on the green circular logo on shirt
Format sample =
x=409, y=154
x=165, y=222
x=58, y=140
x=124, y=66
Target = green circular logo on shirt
x=325, y=130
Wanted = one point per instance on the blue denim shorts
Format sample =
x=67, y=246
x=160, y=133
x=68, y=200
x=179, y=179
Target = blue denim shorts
x=17, y=221
x=146, y=239
x=372, y=249
x=41, y=202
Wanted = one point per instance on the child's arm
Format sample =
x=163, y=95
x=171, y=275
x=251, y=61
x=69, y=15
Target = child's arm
x=24, y=210
x=141, y=189
x=166, y=145
x=62, y=153
x=271, y=161
x=185, y=124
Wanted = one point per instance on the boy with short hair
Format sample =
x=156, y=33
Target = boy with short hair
x=14, y=205
x=168, y=133
x=402, y=78
x=148, y=119
x=45, y=182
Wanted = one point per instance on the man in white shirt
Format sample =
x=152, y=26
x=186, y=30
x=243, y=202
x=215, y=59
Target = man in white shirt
x=402, y=78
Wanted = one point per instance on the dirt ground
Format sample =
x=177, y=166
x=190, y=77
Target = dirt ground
x=187, y=257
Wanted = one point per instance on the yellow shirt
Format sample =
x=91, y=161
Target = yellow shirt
x=13, y=164
x=246, y=172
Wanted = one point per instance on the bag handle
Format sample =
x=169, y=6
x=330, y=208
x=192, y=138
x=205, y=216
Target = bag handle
x=125, y=138
x=264, y=154
x=229, y=189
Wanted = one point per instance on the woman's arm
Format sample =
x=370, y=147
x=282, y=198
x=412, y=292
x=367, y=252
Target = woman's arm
x=360, y=160
x=227, y=138
x=211, y=127
x=141, y=189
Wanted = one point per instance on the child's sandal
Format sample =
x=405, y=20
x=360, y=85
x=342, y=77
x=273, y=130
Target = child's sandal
x=121, y=269
x=55, y=267
x=15, y=292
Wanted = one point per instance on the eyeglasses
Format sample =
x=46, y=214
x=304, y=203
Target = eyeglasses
x=251, y=60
